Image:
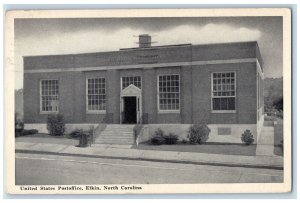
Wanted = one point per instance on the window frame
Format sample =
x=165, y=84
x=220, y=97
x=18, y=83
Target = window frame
x=41, y=100
x=212, y=93
x=158, y=97
x=87, y=98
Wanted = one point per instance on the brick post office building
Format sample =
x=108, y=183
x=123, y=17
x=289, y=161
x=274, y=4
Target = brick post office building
x=168, y=87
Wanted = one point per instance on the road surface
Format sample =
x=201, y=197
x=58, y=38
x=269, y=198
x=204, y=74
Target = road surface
x=41, y=169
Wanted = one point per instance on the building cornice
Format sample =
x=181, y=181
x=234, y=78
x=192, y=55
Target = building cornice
x=143, y=66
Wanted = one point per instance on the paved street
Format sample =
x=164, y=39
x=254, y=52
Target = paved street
x=53, y=169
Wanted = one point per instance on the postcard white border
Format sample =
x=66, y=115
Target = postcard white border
x=117, y=13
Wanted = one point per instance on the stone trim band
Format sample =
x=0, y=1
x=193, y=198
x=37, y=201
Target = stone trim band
x=136, y=66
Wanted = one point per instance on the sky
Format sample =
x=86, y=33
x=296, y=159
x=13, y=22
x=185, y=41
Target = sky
x=85, y=35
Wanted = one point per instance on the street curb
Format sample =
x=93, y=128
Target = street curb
x=275, y=167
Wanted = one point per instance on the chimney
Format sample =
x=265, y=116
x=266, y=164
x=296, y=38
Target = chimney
x=144, y=41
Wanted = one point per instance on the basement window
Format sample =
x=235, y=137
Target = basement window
x=223, y=92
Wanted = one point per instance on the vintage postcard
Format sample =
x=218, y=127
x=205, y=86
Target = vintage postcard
x=148, y=101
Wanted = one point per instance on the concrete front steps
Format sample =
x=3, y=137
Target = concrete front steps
x=116, y=134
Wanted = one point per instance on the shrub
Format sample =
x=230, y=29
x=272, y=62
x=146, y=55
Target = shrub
x=278, y=104
x=75, y=133
x=171, y=138
x=158, y=137
x=30, y=132
x=247, y=137
x=83, y=137
x=184, y=141
x=281, y=145
x=79, y=133
x=279, y=114
x=198, y=134
x=158, y=140
x=19, y=127
x=56, y=125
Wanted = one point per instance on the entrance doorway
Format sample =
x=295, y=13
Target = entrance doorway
x=131, y=105
x=130, y=110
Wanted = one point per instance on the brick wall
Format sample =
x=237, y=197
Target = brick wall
x=245, y=94
x=195, y=86
x=195, y=89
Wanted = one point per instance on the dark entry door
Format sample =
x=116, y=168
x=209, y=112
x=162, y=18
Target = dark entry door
x=129, y=110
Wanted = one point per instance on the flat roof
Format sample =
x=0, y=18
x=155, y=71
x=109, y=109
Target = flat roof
x=147, y=48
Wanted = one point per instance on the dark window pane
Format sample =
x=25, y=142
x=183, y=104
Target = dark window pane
x=216, y=104
x=224, y=104
x=231, y=104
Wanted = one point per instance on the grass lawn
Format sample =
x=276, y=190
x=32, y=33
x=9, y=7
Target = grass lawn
x=46, y=138
x=211, y=148
x=278, y=137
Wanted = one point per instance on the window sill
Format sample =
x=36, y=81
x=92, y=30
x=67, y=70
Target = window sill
x=49, y=112
x=223, y=111
x=168, y=111
x=96, y=112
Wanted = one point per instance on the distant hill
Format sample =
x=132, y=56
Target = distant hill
x=273, y=93
x=19, y=102
x=273, y=88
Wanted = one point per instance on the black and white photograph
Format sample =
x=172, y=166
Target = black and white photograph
x=150, y=101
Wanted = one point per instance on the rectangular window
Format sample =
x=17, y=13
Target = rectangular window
x=96, y=97
x=134, y=80
x=168, y=92
x=49, y=95
x=223, y=91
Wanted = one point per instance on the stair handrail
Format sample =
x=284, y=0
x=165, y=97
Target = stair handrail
x=137, y=139
x=97, y=131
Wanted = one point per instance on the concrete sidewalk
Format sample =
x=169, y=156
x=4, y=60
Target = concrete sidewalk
x=125, y=152
x=265, y=144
